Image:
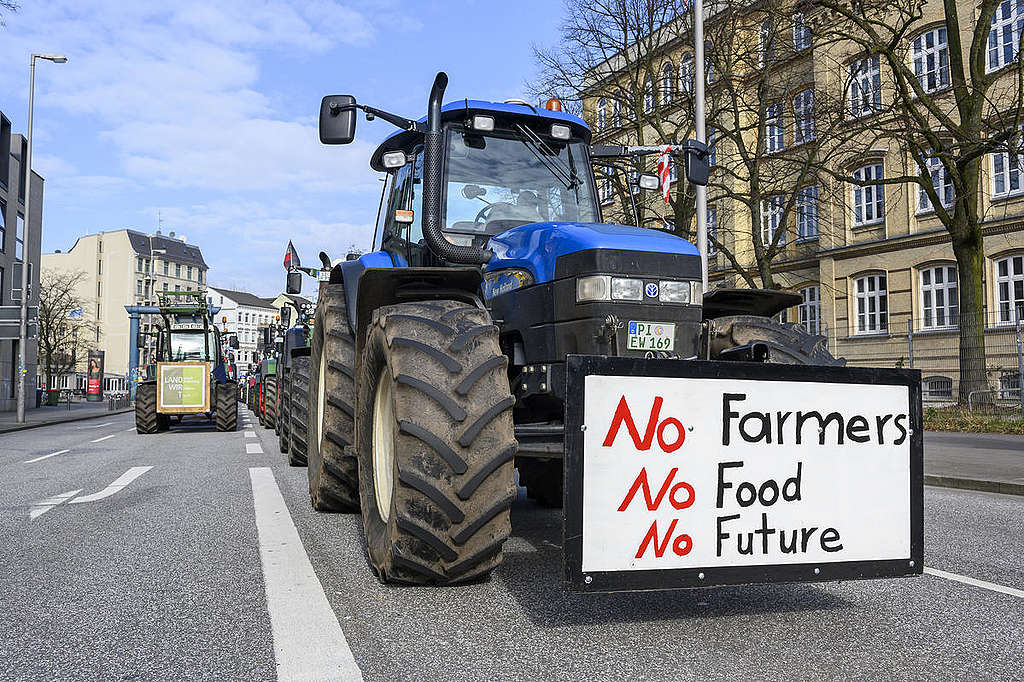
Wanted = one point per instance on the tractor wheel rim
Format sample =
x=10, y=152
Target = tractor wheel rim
x=320, y=400
x=383, y=445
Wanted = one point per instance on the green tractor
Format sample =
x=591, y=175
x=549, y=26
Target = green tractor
x=189, y=376
x=293, y=384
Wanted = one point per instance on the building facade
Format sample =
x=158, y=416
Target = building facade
x=14, y=249
x=126, y=268
x=293, y=301
x=246, y=315
x=873, y=263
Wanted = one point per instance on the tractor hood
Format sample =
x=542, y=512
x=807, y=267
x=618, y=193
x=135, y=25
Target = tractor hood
x=544, y=249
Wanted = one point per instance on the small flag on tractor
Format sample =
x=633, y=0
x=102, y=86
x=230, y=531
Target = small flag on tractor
x=291, y=258
x=664, y=171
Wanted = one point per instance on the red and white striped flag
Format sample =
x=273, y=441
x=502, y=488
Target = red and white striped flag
x=664, y=170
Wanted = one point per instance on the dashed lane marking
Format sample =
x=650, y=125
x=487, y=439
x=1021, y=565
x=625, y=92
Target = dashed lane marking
x=308, y=641
x=250, y=434
x=973, y=581
x=118, y=485
x=253, y=449
x=96, y=426
x=43, y=506
x=98, y=440
x=40, y=459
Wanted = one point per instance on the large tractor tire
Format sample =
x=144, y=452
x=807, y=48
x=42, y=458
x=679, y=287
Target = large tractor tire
x=298, y=412
x=333, y=472
x=788, y=343
x=282, y=418
x=542, y=480
x=146, y=418
x=227, y=406
x=435, y=443
x=270, y=408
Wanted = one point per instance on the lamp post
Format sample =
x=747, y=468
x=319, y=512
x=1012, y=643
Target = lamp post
x=26, y=250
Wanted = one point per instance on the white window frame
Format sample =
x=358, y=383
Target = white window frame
x=1004, y=34
x=931, y=61
x=871, y=304
x=807, y=226
x=686, y=72
x=801, y=32
x=712, y=225
x=1008, y=171
x=809, y=310
x=941, y=182
x=668, y=83
x=940, y=302
x=803, y=116
x=602, y=113
x=1007, y=286
x=766, y=43
x=772, y=209
x=616, y=112
x=868, y=201
x=865, y=87
x=774, y=130
x=649, y=98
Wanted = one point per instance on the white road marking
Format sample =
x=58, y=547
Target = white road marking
x=308, y=641
x=43, y=506
x=971, y=581
x=122, y=482
x=39, y=459
x=253, y=449
x=250, y=434
x=98, y=440
x=96, y=426
x=129, y=430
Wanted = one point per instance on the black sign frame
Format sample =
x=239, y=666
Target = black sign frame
x=578, y=367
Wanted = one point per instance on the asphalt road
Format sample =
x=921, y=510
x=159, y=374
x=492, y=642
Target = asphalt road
x=178, y=575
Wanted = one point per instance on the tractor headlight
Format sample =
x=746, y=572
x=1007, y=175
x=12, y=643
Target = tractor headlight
x=627, y=289
x=593, y=288
x=674, y=292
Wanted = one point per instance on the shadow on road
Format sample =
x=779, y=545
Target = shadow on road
x=532, y=572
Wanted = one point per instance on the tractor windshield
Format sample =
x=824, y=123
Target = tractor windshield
x=495, y=183
x=187, y=346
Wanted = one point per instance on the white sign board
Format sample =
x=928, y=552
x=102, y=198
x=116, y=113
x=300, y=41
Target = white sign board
x=699, y=473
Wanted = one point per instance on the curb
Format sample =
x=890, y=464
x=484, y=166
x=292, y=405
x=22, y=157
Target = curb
x=51, y=422
x=1002, y=487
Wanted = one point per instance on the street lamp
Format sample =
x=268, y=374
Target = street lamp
x=27, y=251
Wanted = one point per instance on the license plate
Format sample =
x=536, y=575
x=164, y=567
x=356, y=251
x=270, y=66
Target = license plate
x=651, y=336
x=323, y=275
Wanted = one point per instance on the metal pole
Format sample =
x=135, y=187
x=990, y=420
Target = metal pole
x=910, y=340
x=700, y=134
x=25, y=249
x=1020, y=357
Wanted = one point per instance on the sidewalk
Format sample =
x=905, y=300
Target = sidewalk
x=43, y=416
x=976, y=461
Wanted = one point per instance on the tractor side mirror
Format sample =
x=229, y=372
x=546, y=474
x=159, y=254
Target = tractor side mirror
x=286, y=316
x=294, y=283
x=698, y=170
x=649, y=182
x=337, y=119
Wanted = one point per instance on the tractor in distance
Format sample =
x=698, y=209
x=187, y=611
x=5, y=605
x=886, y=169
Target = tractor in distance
x=438, y=361
x=266, y=378
x=189, y=376
x=293, y=383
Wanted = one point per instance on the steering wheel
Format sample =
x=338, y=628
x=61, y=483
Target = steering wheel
x=481, y=217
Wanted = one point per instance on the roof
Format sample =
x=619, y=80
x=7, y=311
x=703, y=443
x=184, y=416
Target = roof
x=297, y=301
x=243, y=298
x=454, y=111
x=176, y=250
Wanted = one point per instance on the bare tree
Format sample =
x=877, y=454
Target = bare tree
x=943, y=114
x=7, y=6
x=65, y=328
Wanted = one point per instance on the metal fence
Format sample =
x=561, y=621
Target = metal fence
x=933, y=346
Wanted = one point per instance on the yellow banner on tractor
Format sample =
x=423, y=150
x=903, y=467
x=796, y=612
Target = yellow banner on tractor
x=182, y=387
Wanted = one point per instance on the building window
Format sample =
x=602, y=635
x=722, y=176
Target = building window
x=1007, y=169
x=1010, y=288
x=941, y=182
x=165, y=286
x=872, y=305
x=801, y=32
x=686, y=73
x=99, y=267
x=868, y=199
x=803, y=116
x=766, y=43
x=19, y=238
x=771, y=220
x=199, y=276
x=145, y=264
x=865, y=87
x=810, y=309
x=602, y=113
x=166, y=267
x=138, y=264
x=177, y=269
x=807, y=213
x=97, y=317
x=712, y=148
x=188, y=272
x=1004, y=34
x=138, y=287
x=649, y=101
x=3, y=226
x=773, y=135
x=936, y=388
x=939, y=299
x=177, y=287
x=930, y=55
x=99, y=289
x=712, y=225
x=604, y=190
x=668, y=83
x=617, y=111
x=673, y=171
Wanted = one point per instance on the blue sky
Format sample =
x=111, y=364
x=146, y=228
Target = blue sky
x=206, y=112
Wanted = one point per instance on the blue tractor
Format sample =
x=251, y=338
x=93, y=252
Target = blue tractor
x=438, y=360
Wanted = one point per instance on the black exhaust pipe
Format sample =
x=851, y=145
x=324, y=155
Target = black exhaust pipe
x=433, y=154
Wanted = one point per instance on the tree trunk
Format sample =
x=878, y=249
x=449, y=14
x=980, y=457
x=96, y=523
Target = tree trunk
x=970, y=260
